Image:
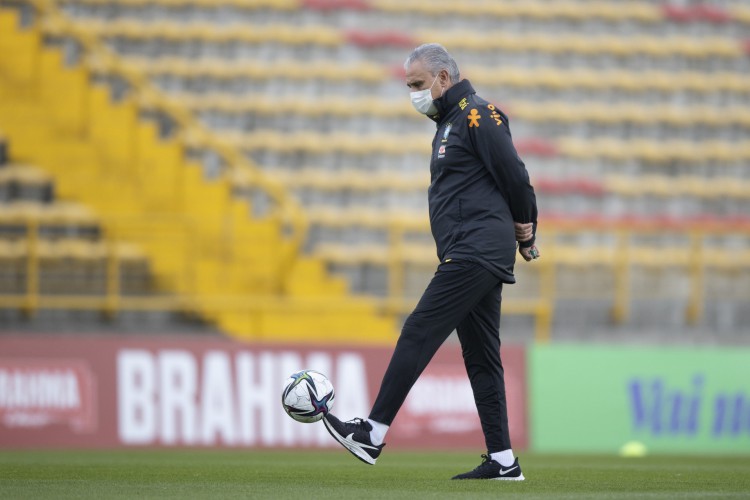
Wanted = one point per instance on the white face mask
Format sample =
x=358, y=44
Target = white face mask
x=423, y=102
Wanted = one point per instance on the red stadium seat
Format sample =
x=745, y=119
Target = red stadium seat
x=704, y=12
x=580, y=186
x=536, y=147
x=376, y=39
x=711, y=13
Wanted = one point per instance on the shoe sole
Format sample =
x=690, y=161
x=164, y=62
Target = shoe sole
x=353, y=449
x=519, y=478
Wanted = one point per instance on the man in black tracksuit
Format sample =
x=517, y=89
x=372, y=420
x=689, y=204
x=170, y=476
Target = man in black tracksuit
x=481, y=204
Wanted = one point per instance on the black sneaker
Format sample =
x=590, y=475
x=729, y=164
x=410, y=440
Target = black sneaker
x=354, y=435
x=490, y=469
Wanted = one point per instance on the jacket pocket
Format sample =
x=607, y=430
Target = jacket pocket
x=457, y=232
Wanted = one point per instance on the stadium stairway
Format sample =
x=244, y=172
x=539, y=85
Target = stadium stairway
x=238, y=270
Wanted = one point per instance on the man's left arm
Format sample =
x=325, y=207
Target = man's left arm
x=490, y=137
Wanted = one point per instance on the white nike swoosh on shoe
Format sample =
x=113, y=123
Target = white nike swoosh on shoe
x=349, y=439
x=504, y=472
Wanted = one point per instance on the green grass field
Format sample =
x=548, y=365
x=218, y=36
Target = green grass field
x=335, y=474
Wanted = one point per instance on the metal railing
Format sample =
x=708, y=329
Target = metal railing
x=693, y=250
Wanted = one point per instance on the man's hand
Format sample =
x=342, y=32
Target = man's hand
x=524, y=231
x=530, y=253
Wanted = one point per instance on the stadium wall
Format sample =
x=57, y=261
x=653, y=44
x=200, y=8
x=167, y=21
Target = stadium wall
x=105, y=392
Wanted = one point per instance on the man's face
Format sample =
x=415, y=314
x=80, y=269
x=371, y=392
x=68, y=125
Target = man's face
x=418, y=78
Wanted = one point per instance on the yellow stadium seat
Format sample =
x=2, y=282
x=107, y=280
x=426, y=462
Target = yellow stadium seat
x=643, y=12
x=740, y=13
x=64, y=216
x=654, y=151
x=24, y=175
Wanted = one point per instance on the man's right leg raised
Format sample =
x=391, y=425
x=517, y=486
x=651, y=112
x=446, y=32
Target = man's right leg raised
x=453, y=292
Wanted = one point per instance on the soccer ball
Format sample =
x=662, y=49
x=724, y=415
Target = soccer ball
x=307, y=396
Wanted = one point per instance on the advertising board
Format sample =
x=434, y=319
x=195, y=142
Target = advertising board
x=212, y=392
x=672, y=400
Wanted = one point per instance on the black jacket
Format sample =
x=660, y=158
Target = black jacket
x=479, y=186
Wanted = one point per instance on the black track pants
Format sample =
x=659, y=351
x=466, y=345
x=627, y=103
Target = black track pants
x=463, y=296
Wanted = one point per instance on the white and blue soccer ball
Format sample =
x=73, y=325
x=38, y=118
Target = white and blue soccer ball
x=308, y=396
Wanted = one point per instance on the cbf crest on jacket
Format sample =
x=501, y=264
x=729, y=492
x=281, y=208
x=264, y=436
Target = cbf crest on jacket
x=479, y=186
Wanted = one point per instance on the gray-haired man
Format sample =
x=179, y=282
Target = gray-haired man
x=481, y=204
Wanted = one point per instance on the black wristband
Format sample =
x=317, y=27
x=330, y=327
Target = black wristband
x=528, y=243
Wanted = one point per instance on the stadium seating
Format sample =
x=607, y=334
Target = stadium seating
x=558, y=112
x=179, y=74
x=628, y=112
x=24, y=183
x=200, y=242
x=575, y=10
x=52, y=248
x=167, y=34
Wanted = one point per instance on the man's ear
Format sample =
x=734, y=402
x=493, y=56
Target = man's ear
x=445, y=78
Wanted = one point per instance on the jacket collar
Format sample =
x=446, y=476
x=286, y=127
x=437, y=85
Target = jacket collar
x=451, y=98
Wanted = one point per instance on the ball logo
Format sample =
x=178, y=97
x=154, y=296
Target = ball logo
x=308, y=396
